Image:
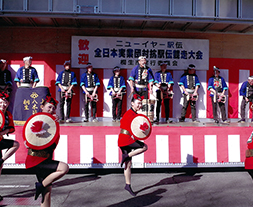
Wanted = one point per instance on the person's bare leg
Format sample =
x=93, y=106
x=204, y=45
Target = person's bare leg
x=62, y=169
x=138, y=151
x=127, y=173
x=8, y=153
x=47, y=197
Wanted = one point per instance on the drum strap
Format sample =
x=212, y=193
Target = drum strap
x=249, y=153
x=38, y=153
x=124, y=131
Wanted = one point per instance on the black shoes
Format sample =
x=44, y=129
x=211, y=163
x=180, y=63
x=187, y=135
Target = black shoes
x=125, y=158
x=39, y=190
x=181, y=119
x=1, y=161
x=129, y=189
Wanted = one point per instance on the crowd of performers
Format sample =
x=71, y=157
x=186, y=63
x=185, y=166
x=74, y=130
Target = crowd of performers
x=142, y=80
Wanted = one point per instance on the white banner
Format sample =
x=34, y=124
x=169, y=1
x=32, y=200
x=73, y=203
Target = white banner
x=108, y=52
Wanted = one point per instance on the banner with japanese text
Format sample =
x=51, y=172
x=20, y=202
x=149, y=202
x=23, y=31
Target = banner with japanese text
x=28, y=102
x=108, y=52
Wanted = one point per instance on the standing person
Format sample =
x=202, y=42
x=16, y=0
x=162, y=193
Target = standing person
x=246, y=91
x=128, y=145
x=66, y=80
x=27, y=75
x=117, y=86
x=5, y=77
x=218, y=87
x=41, y=162
x=141, y=82
x=11, y=145
x=163, y=80
x=190, y=84
x=90, y=83
x=141, y=78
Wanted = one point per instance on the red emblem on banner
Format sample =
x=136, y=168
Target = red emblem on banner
x=83, y=44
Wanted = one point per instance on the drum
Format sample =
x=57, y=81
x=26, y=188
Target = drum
x=41, y=131
x=222, y=98
x=68, y=95
x=120, y=96
x=95, y=99
x=192, y=97
x=25, y=85
x=148, y=108
x=141, y=127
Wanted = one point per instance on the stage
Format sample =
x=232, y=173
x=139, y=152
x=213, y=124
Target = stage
x=175, y=145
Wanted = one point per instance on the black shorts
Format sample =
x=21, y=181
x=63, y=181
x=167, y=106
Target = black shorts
x=136, y=145
x=45, y=168
x=5, y=144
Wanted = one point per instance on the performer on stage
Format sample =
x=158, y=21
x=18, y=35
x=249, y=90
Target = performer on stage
x=141, y=78
x=90, y=84
x=246, y=91
x=127, y=143
x=27, y=75
x=218, y=87
x=141, y=82
x=117, y=86
x=11, y=145
x=47, y=170
x=163, y=80
x=190, y=84
x=66, y=80
x=5, y=77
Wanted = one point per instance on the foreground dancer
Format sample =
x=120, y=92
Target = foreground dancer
x=127, y=143
x=6, y=128
x=47, y=170
x=249, y=156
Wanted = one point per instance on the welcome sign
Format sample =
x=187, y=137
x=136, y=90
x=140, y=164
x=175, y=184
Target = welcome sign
x=108, y=52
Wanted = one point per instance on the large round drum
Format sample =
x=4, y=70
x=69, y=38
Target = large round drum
x=2, y=120
x=41, y=131
x=141, y=127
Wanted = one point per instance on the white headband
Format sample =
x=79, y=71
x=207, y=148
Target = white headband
x=27, y=58
x=142, y=57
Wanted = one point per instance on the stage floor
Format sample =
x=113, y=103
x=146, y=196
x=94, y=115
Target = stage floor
x=187, y=123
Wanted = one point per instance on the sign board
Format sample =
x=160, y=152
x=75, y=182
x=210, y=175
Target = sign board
x=108, y=52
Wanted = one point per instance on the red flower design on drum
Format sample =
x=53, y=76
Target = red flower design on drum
x=144, y=126
x=37, y=127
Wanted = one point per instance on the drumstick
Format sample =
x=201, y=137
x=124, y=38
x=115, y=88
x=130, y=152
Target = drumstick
x=130, y=94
